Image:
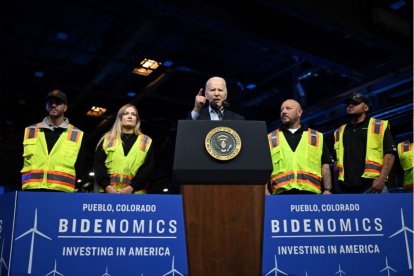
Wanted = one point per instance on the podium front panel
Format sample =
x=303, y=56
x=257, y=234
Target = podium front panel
x=193, y=164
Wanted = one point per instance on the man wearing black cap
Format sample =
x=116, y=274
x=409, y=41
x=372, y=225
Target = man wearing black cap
x=52, y=150
x=365, y=150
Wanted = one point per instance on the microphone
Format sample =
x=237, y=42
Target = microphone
x=216, y=108
x=225, y=104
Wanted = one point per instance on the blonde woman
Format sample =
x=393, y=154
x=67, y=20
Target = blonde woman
x=123, y=158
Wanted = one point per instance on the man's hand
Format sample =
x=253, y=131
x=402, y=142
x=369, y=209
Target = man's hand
x=126, y=190
x=200, y=101
x=377, y=185
x=111, y=190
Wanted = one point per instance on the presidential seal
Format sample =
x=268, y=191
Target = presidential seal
x=223, y=143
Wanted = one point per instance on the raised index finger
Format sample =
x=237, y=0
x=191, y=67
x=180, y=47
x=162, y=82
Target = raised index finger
x=201, y=92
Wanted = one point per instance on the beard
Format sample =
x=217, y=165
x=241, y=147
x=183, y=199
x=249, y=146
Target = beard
x=55, y=114
x=286, y=121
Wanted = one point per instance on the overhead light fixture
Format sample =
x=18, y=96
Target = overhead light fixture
x=96, y=111
x=146, y=67
x=398, y=5
x=300, y=89
x=168, y=63
x=132, y=94
x=62, y=36
x=39, y=74
x=251, y=86
x=142, y=71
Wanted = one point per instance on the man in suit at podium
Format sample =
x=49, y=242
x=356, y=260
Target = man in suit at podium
x=300, y=157
x=218, y=107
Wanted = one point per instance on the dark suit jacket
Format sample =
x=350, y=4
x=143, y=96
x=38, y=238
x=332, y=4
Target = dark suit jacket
x=227, y=115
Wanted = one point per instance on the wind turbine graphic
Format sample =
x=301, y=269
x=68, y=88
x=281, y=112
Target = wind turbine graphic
x=387, y=267
x=340, y=271
x=407, y=247
x=173, y=271
x=54, y=272
x=106, y=272
x=275, y=269
x=2, y=261
x=33, y=231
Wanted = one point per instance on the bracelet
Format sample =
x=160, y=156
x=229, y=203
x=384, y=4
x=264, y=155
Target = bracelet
x=327, y=189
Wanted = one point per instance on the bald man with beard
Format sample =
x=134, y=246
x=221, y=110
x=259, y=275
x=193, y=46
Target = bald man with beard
x=300, y=157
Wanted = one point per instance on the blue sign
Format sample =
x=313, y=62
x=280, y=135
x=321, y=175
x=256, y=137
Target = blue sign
x=6, y=228
x=338, y=235
x=92, y=234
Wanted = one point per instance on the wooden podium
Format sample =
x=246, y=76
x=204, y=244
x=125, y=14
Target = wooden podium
x=223, y=200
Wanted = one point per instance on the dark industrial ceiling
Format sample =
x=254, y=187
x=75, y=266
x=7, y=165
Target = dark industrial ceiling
x=314, y=51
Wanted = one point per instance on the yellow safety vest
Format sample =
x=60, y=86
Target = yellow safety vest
x=121, y=168
x=374, y=154
x=296, y=170
x=405, y=153
x=54, y=170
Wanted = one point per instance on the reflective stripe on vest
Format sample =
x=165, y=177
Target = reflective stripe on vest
x=58, y=178
x=43, y=170
x=32, y=176
x=282, y=179
x=116, y=170
x=32, y=132
x=313, y=137
x=120, y=180
x=308, y=177
x=301, y=171
x=377, y=126
x=301, y=177
x=110, y=142
x=339, y=152
x=373, y=159
x=406, y=146
x=373, y=167
x=274, y=138
x=74, y=134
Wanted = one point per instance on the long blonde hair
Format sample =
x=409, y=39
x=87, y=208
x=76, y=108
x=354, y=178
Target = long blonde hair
x=116, y=129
